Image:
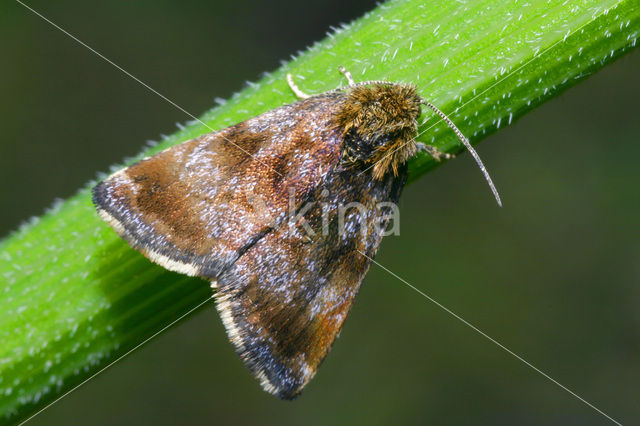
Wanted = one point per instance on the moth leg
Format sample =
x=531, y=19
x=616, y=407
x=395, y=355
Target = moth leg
x=433, y=151
x=347, y=75
x=295, y=89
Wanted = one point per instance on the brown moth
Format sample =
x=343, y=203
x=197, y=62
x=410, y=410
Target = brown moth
x=242, y=207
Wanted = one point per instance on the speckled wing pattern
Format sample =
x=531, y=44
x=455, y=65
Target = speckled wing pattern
x=219, y=207
x=284, y=301
x=196, y=207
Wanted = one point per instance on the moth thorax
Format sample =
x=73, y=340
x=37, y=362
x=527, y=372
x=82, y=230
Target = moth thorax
x=379, y=122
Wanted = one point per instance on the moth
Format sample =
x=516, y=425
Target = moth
x=243, y=207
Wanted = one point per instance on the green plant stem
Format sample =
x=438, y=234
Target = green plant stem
x=74, y=297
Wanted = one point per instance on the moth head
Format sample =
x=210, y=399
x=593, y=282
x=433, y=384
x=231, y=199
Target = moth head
x=379, y=122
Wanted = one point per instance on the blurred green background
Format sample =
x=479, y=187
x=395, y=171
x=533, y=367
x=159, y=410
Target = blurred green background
x=554, y=275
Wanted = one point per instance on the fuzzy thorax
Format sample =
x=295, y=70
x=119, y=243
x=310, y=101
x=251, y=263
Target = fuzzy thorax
x=379, y=123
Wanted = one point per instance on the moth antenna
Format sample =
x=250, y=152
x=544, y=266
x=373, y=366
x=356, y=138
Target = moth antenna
x=352, y=83
x=295, y=89
x=347, y=75
x=467, y=144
